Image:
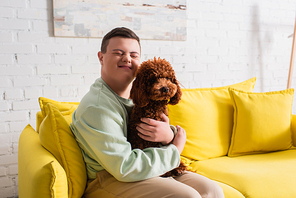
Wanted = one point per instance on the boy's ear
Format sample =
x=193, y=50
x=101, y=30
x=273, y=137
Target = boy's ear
x=100, y=56
x=138, y=93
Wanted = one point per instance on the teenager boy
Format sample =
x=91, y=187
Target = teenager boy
x=100, y=127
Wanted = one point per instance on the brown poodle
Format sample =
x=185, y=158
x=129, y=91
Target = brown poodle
x=155, y=86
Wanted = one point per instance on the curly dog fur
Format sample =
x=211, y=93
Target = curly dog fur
x=155, y=86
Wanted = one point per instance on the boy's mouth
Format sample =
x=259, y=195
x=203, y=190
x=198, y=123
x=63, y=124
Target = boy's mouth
x=125, y=67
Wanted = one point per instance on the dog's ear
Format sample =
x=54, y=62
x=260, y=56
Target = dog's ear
x=138, y=92
x=177, y=97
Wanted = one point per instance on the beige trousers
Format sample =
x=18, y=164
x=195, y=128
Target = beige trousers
x=187, y=185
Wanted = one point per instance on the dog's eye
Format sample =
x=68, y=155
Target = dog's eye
x=167, y=78
x=152, y=80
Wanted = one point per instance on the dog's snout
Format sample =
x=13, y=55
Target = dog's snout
x=164, y=89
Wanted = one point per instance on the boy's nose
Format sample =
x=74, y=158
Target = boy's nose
x=126, y=58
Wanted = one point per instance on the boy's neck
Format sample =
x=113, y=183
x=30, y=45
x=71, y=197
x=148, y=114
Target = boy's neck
x=123, y=90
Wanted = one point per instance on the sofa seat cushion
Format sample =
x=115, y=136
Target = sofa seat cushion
x=230, y=192
x=261, y=175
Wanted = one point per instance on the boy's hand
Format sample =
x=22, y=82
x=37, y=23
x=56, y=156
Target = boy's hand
x=180, y=139
x=156, y=131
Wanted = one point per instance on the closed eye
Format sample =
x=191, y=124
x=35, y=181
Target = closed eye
x=134, y=54
x=119, y=53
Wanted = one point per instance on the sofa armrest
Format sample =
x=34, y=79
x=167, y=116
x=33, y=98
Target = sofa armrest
x=294, y=129
x=40, y=174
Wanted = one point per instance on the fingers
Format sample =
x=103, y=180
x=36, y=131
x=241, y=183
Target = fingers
x=145, y=127
x=144, y=137
x=147, y=130
x=155, y=130
x=181, y=130
x=153, y=122
x=180, y=139
x=164, y=117
x=149, y=127
x=152, y=133
x=148, y=121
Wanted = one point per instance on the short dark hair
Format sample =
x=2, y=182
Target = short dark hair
x=121, y=32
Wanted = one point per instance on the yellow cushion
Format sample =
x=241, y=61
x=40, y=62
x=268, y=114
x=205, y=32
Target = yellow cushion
x=206, y=114
x=260, y=175
x=294, y=129
x=262, y=121
x=64, y=107
x=40, y=174
x=227, y=190
x=39, y=118
x=57, y=187
x=55, y=135
x=230, y=192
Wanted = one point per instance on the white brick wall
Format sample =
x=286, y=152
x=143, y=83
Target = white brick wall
x=228, y=41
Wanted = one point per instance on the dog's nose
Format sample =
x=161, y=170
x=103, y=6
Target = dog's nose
x=165, y=89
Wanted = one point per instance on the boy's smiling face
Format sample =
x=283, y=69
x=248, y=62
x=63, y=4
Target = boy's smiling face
x=121, y=60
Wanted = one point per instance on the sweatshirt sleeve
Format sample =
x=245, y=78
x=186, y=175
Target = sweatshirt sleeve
x=99, y=132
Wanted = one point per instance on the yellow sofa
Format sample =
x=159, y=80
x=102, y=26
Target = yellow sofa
x=223, y=144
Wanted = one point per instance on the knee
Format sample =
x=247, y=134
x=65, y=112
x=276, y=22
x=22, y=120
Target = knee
x=189, y=194
x=186, y=192
x=213, y=191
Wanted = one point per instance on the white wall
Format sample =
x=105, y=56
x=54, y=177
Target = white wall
x=228, y=41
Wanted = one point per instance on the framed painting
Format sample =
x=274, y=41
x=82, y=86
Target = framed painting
x=150, y=19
